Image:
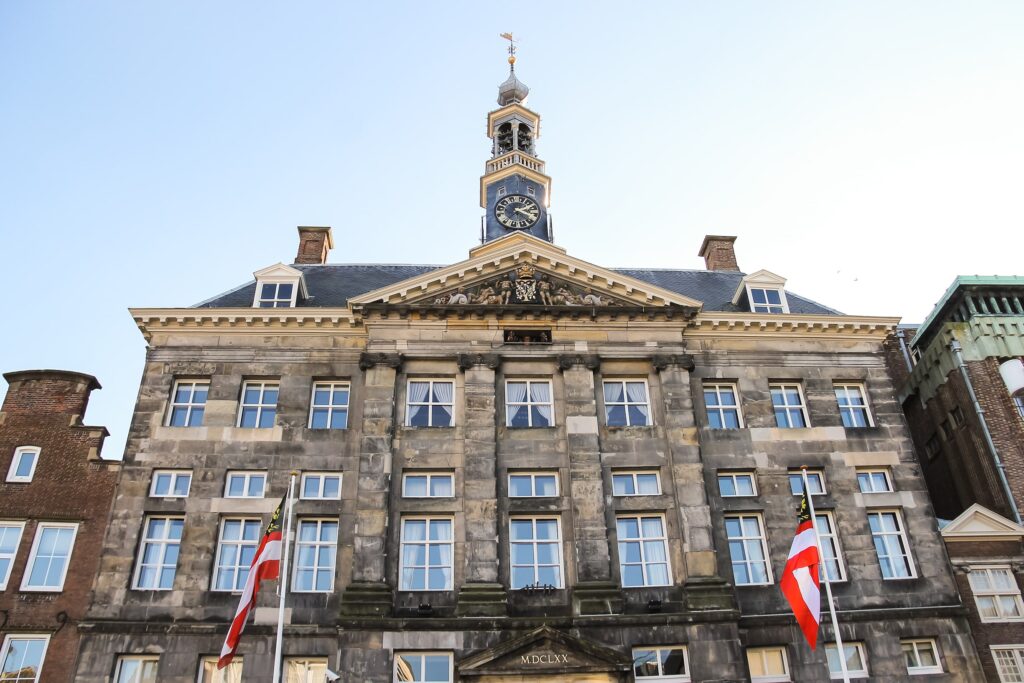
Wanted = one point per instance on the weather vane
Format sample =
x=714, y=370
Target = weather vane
x=511, y=50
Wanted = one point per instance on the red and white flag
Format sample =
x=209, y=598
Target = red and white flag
x=265, y=565
x=799, y=581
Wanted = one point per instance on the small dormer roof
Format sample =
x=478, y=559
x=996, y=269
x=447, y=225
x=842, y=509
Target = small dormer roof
x=760, y=277
x=978, y=523
x=280, y=272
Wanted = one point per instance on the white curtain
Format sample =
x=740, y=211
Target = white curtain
x=637, y=393
x=417, y=394
x=542, y=395
x=443, y=392
x=515, y=393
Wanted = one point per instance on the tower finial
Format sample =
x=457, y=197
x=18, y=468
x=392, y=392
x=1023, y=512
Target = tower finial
x=511, y=50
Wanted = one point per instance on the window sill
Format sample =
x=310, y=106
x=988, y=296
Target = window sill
x=29, y=589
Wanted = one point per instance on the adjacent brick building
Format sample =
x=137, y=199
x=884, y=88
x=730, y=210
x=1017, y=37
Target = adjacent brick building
x=55, y=495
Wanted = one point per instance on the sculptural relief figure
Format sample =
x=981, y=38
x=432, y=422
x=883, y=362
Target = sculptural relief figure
x=487, y=295
x=563, y=297
x=590, y=299
x=544, y=285
x=505, y=287
x=458, y=297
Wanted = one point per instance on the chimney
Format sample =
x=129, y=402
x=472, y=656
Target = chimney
x=35, y=394
x=314, y=243
x=718, y=252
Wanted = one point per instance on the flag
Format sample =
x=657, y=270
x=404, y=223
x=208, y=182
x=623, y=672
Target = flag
x=265, y=565
x=799, y=581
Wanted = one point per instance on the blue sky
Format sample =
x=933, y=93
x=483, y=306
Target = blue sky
x=155, y=154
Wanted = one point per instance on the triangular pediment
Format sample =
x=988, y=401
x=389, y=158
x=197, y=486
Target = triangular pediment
x=760, y=278
x=979, y=523
x=544, y=651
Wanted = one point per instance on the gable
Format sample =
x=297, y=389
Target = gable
x=979, y=523
x=544, y=651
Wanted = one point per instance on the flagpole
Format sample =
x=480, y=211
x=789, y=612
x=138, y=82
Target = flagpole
x=282, y=583
x=828, y=584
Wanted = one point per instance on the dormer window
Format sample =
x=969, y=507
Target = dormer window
x=276, y=295
x=279, y=286
x=762, y=292
x=764, y=300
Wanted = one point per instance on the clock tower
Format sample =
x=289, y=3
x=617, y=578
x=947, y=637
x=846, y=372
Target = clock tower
x=514, y=191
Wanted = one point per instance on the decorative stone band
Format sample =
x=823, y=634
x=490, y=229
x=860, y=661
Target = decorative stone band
x=469, y=360
x=569, y=361
x=684, y=361
x=369, y=360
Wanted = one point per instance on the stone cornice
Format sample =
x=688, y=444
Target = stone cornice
x=369, y=360
x=663, y=362
x=470, y=360
x=245, y=320
x=568, y=361
x=717, y=324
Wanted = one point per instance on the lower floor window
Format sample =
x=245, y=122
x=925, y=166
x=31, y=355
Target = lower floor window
x=1009, y=663
x=748, y=550
x=305, y=670
x=767, y=664
x=536, y=550
x=660, y=664
x=922, y=656
x=136, y=669
x=426, y=554
x=22, y=658
x=643, y=552
x=856, y=661
x=315, y=552
x=209, y=673
x=423, y=667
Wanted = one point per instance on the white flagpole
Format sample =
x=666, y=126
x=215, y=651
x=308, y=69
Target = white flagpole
x=282, y=583
x=828, y=584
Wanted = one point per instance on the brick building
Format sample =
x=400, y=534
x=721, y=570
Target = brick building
x=55, y=497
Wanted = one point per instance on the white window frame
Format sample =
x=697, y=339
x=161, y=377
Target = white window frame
x=762, y=538
x=307, y=672
x=717, y=388
x=316, y=545
x=784, y=677
x=996, y=594
x=19, y=453
x=642, y=539
x=625, y=402
x=423, y=668
x=429, y=403
x=829, y=537
x=661, y=676
x=20, y=526
x=427, y=542
x=430, y=477
x=219, y=676
x=632, y=474
x=32, y=557
x=529, y=404
x=733, y=476
x=922, y=670
x=901, y=534
x=1016, y=653
x=331, y=408
x=320, y=488
x=258, y=299
x=786, y=407
x=533, y=483
x=261, y=407
x=870, y=471
x=534, y=542
x=854, y=673
x=784, y=304
x=175, y=475
x=5, y=650
x=851, y=408
x=164, y=542
x=239, y=567
x=121, y=659
x=247, y=477
x=812, y=475
x=189, y=406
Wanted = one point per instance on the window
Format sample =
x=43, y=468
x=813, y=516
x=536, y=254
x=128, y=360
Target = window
x=874, y=480
x=426, y=554
x=1009, y=663
x=767, y=664
x=891, y=544
x=158, y=554
x=996, y=593
x=832, y=558
x=23, y=465
x=428, y=485
x=430, y=403
x=764, y=300
x=856, y=661
x=922, y=657
x=733, y=484
x=535, y=546
x=643, y=551
x=932, y=446
x=259, y=405
x=788, y=399
x=48, y=560
x=636, y=484
x=532, y=485
x=625, y=403
x=21, y=659
x=134, y=669
x=170, y=483
x=957, y=416
x=815, y=479
x=245, y=484
x=232, y=673
x=236, y=550
x=853, y=406
x=320, y=486
x=661, y=664
x=305, y=669
x=316, y=549
x=10, y=538
x=329, y=405
x=423, y=667
x=748, y=550
x=1018, y=401
x=946, y=430
x=276, y=295
x=528, y=403
x=723, y=409
x=188, y=403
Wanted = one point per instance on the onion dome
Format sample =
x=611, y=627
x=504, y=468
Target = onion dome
x=512, y=90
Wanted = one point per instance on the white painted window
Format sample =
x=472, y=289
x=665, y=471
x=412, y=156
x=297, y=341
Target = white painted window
x=426, y=554
x=535, y=548
x=320, y=486
x=528, y=403
x=643, y=551
x=832, y=555
x=21, y=659
x=891, y=544
x=853, y=405
x=170, y=483
x=874, y=480
x=136, y=669
x=532, y=485
x=236, y=550
x=921, y=656
x=996, y=593
x=209, y=673
x=259, y=405
x=736, y=484
x=856, y=660
x=423, y=667
x=23, y=465
x=245, y=484
x=329, y=405
x=428, y=485
x=49, y=558
x=768, y=664
x=788, y=401
x=275, y=294
x=748, y=550
x=188, y=403
x=316, y=551
x=1009, y=663
x=430, y=403
x=722, y=406
x=305, y=669
x=665, y=664
x=641, y=483
x=815, y=482
x=10, y=539
x=158, y=553
x=626, y=403
x=767, y=300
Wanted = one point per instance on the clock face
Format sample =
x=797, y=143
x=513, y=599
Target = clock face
x=517, y=212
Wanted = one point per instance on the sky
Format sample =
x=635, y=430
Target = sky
x=156, y=154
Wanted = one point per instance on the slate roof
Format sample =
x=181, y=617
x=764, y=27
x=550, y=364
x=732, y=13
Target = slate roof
x=332, y=285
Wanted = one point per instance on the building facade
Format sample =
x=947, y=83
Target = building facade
x=55, y=497
x=519, y=467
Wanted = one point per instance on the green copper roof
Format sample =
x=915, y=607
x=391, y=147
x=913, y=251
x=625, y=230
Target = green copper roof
x=963, y=281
